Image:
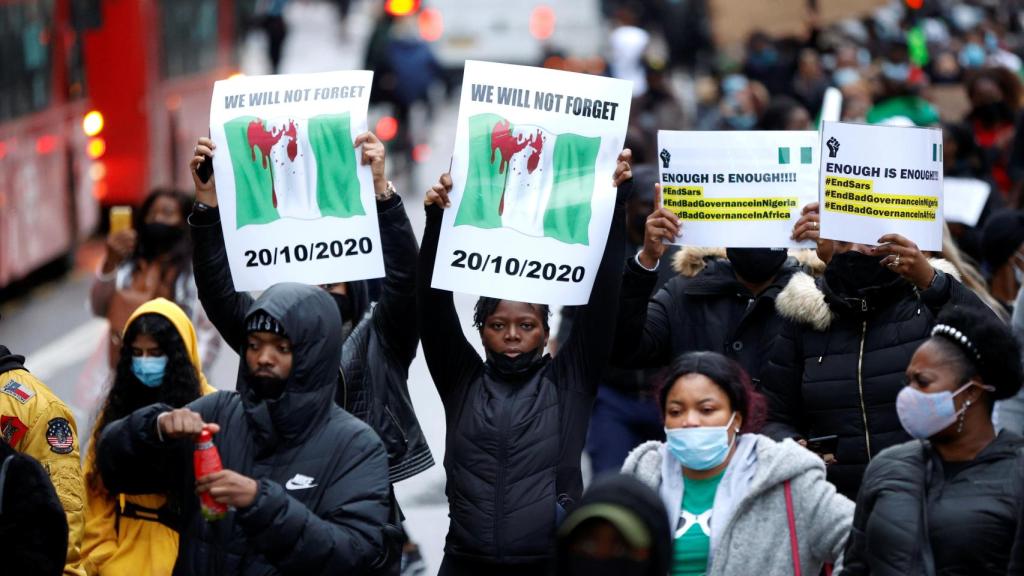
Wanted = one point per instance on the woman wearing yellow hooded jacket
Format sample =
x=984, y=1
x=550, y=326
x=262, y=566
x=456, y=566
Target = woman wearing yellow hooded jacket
x=159, y=362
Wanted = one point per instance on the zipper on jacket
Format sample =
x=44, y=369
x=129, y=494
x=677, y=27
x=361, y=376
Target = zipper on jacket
x=499, y=485
x=860, y=386
x=344, y=388
x=394, y=421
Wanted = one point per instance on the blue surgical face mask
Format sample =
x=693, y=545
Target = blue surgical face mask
x=700, y=448
x=924, y=414
x=972, y=56
x=149, y=369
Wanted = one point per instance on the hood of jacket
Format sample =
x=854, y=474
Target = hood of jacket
x=618, y=494
x=177, y=317
x=807, y=300
x=9, y=361
x=313, y=326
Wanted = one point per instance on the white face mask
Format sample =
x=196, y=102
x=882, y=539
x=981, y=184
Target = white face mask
x=924, y=414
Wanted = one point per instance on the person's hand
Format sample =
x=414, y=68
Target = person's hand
x=809, y=224
x=183, y=423
x=623, y=170
x=205, y=193
x=229, y=487
x=373, y=156
x=662, y=228
x=438, y=193
x=119, y=247
x=829, y=459
x=904, y=258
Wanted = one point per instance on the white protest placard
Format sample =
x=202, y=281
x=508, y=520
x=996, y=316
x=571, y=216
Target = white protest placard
x=964, y=199
x=738, y=189
x=532, y=195
x=878, y=180
x=296, y=203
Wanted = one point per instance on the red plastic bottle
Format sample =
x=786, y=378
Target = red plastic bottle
x=206, y=461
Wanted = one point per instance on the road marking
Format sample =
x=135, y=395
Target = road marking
x=68, y=350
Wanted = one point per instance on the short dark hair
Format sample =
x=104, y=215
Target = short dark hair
x=998, y=363
x=728, y=375
x=486, y=306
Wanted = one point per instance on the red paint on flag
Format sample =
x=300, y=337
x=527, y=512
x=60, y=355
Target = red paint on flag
x=259, y=137
x=503, y=141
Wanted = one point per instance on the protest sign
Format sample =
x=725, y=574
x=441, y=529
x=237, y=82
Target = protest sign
x=296, y=203
x=963, y=199
x=878, y=180
x=738, y=189
x=532, y=194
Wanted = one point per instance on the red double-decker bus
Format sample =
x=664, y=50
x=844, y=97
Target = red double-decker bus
x=100, y=101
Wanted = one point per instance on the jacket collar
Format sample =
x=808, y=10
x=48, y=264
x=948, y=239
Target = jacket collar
x=804, y=300
x=718, y=279
x=9, y=361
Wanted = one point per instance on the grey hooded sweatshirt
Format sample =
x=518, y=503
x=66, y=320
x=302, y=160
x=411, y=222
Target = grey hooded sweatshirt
x=749, y=526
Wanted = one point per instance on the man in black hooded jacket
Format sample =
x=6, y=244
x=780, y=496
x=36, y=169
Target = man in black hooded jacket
x=307, y=482
x=379, y=343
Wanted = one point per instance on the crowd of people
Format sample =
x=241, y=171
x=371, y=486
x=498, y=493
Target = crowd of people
x=850, y=409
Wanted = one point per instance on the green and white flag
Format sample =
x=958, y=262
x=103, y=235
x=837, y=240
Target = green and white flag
x=532, y=183
x=525, y=178
x=285, y=168
x=296, y=203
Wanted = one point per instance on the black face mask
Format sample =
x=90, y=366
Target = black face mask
x=267, y=387
x=345, y=306
x=756, y=265
x=992, y=113
x=518, y=367
x=156, y=238
x=851, y=272
x=579, y=565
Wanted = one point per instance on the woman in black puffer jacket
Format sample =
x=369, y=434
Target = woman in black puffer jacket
x=959, y=483
x=838, y=362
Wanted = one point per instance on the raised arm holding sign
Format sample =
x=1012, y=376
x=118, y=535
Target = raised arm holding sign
x=531, y=199
x=297, y=200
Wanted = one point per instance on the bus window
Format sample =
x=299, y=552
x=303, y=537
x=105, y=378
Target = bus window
x=25, y=29
x=188, y=37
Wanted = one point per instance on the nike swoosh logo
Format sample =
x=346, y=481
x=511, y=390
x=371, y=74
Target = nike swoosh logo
x=291, y=485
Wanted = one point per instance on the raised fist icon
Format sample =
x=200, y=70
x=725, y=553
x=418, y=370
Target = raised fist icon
x=665, y=157
x=833, y=147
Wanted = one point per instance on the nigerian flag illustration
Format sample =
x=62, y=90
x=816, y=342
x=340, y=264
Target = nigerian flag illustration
x=528, y=179
x=303, y=169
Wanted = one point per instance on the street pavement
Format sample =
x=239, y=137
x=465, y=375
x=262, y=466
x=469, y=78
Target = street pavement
x=65, y=345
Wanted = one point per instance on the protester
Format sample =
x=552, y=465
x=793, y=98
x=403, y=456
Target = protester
x=946, y=502
x=627, y=44
x=837, y=364
x=32, y=522
x=306, y=482
x=516, y=422
x=37, y=423
x=727, y=307
x=738, y=503
x=1002, y=244
x=620, y=529
x=995, y=95
x=969, y=275
x=150, y=261
x=1009, y=413
x=963, y=158
x=159, y=362
x=378, y=343
x=626, y=408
